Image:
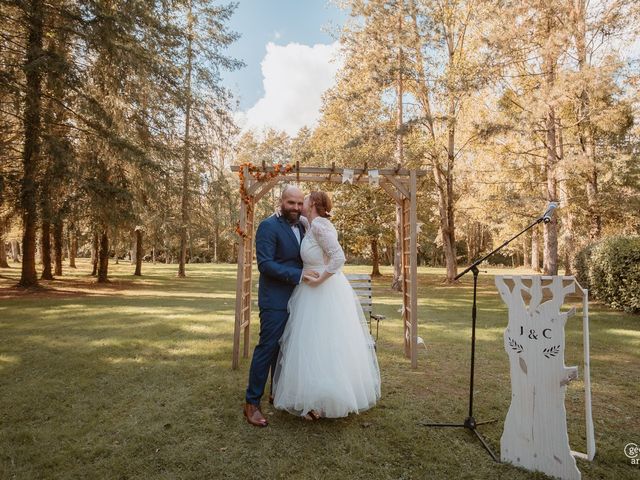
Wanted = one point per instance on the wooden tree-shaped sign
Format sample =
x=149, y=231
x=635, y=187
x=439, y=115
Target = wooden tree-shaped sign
x=535, y=430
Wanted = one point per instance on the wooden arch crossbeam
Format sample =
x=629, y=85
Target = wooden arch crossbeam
x=399, y=183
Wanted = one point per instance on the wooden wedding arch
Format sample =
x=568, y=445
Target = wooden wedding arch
x=257, y=181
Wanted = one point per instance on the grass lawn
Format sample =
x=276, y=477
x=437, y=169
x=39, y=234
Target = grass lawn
x=133, y=381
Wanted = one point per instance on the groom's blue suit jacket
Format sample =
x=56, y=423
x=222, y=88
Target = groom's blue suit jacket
x=279, y=262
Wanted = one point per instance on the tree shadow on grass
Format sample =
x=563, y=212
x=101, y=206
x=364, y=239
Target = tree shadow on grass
x=140, y=386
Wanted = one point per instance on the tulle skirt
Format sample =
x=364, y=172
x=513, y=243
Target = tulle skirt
x=327, y=360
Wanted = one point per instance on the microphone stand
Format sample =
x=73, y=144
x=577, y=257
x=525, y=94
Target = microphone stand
x=470, y=422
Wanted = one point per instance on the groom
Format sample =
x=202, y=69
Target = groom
x=278, y=241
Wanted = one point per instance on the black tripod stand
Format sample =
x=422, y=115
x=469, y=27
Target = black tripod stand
x=470, y=422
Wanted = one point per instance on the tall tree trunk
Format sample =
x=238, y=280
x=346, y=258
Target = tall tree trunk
x=535, y=250
x=592, y=200
x=94, y=254
x=139, y=253
x=15, y=251
x=389, y=255
x=3, y=255
x=397, y=259
x=45, y=246
x=443, y=173
x=186, y=167
x=57, y=245
x=31, y=151
x=68, y=234
x=447, y=198
x=550, y=260
x=452, y=265
x=550, y=255
x=525, y=251
x=375, y=258
x=103, y=257
x=445, y=227
x=567, y=224
x=56, y=118
x=475, y=237
x=3, y=251
x=216, y=239
x=216, y=231
x=73, y=244
x=587, y=149
x=116, y=236
x=132, y=251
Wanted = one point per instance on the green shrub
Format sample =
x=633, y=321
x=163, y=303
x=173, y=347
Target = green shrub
x=610, y=269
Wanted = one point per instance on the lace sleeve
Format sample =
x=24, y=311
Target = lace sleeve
x=327, y=237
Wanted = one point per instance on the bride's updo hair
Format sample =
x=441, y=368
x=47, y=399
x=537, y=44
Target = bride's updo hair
x=322, y=202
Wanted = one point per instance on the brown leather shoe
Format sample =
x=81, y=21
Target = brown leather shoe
x=254, y=415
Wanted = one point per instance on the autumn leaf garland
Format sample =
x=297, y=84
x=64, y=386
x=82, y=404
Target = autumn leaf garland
x=260, y=175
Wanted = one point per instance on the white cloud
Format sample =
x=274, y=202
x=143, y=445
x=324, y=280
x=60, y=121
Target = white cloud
x=294, y=78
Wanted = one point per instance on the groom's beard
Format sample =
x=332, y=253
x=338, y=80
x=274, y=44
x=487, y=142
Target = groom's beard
x=292, y=216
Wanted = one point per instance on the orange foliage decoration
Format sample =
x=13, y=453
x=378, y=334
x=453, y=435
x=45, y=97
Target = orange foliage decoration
x=260, y=175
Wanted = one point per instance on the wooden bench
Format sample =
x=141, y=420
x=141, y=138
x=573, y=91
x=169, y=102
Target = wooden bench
x=361, y=284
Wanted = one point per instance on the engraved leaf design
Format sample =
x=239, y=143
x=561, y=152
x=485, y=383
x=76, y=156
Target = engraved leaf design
x=515, y=345
x=551, y=351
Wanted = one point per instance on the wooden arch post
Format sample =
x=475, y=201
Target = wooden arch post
x=399, y=183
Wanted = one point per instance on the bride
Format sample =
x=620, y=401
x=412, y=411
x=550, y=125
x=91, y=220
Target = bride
x=327, y=366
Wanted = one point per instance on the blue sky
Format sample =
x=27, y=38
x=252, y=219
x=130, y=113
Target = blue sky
x=292, y=57
x=281, y=22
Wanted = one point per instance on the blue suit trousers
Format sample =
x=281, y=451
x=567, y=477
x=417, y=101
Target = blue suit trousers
x=265, y=355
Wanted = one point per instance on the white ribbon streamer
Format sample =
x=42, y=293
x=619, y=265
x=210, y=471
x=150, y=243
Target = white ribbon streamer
x=347, y=176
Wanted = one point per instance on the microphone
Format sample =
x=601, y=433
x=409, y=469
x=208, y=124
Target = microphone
x=546, y=216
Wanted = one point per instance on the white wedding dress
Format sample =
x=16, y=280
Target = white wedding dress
x=327, y=360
